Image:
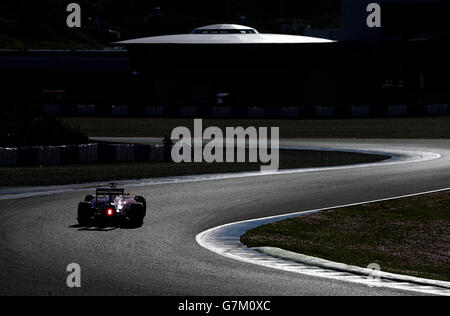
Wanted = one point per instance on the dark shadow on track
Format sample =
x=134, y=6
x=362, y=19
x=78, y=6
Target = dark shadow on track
x=105, y=228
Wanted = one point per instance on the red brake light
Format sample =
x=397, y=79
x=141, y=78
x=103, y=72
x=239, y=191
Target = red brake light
x=110, y=212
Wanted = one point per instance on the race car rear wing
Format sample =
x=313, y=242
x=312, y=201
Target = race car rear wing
x=106, y=191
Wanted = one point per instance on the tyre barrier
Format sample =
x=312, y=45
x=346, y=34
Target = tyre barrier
x=155, y=111
x=87, y=110
x=188, y=111
x=142, y=153
x=119, y=110
x=106, y=153
x=124, y=153
x=397, y=111
x=222, y=112
x=8, y=157
x=48, y=156
x=324, y=112
x=157, y=153
x=287, y=112
x=437, y=110
x=88, y=154
x=69, y=155
x=360, y=111
x=83, y=154
x=27, y=156
x=255, y=112
x=52, y=109
x=290, y=112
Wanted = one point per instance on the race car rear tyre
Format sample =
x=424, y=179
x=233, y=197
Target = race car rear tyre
x=85, y=214
x=143, y=201
x=89, y=198
x=136, y=215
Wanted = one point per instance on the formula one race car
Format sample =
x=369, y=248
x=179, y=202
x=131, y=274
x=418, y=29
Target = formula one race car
x=112, y=204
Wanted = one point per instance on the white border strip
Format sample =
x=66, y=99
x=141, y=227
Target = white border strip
x=225, y=241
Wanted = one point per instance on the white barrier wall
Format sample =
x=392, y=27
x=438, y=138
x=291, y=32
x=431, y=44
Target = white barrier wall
x=48, y=156
x=360, y=111
x=157, y=153
x=88, y=153
x=290, y=112
x=222, y=111
x=8, y=157
x=437, y=110
x=124, y=153
x=188, y=111
x=325, y=111
x=87, y=110
x=155, y=111
x=397, y=110
x=121, y=110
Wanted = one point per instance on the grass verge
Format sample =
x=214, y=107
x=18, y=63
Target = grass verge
x=400, y=128
x=406, y=236
x=58, y=175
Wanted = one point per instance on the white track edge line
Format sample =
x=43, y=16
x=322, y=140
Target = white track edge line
x=406, y=286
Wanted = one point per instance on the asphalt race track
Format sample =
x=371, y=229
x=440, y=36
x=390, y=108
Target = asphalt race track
x=163, y=258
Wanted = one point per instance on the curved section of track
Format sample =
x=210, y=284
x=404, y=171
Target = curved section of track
x=225, y=240
x=38, y=239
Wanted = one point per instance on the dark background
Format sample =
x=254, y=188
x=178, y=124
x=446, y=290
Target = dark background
x=405, y=63
x=42, y=23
